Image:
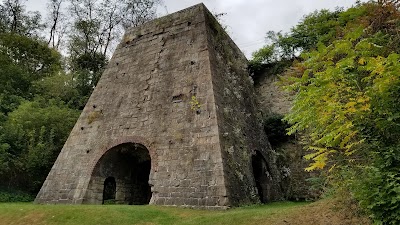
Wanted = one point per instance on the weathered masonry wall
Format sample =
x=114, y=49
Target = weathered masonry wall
x=240, y=131
x=164, y=90
x=145, y=96
x=274, y=101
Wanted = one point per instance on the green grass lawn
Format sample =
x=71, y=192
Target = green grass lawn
x=28, y=213
x=323, y=212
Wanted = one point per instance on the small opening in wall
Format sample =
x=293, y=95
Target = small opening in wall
x=261, y=176
x=177, y=98
x=110, y=188
x=189, y=23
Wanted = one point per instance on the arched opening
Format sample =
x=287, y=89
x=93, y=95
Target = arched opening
x=109, y=190
x=122, y=175
x=262, y=176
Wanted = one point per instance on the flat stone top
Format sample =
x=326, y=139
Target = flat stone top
x=169, y=20
x=186, y=17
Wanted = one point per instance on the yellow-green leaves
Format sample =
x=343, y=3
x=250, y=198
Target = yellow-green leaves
x=336, y=93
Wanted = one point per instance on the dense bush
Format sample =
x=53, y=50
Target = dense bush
x=347, y=84
x=15, y=196
x=275, y=128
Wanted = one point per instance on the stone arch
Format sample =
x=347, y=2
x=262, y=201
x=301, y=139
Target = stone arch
x=128, y=139
x=130, y=164
x=262, y=176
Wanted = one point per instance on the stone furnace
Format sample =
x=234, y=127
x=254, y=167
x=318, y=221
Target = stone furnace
x=172, y=121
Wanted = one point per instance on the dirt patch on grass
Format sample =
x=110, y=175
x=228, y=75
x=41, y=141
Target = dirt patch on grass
x=29, y=218
x=325, y=212
x=184, y=212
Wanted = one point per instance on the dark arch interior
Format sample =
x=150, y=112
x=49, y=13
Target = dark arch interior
x=261, y=176
x=124, y=172
x=109, y=190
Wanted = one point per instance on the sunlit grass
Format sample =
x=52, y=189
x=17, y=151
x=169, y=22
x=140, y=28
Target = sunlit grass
x=28, y=213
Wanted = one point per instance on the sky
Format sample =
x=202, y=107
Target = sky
x=248, y=21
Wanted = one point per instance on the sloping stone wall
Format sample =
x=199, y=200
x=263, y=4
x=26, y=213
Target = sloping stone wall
x=239, y=126
x=273, y=101
x=166, y=88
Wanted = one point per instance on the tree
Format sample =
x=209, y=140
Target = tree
x=97, y=24
x=138, y=12
x=57, y=23
x=321, y=26
x=23, y=61
x=31, y=139
x=62, y=87
x=96, y=27
x=41, y=92
x=15, y=19
x=347, y=103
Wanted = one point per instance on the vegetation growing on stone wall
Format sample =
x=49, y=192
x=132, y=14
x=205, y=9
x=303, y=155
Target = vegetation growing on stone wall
x=258, y=69
x=347, y=100
x=93, y=116
x=282, y=49
x=194, y=103
x=221, y=37
x=275, y=128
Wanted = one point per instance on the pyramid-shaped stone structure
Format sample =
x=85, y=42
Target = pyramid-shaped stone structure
x=172, y=121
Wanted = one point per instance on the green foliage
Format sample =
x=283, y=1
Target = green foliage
x=194, y=103
x=86, y=70
x=23, y=60
x=86, y=62
x=342, y=84
x=30, y=54
x=379, y=191
x=62, y=87
x=264, y=55
x=258, y=70
x=376, y=186
x=275, y=128
x=41, y=92
x=15, y=19
x=266, y=60
x=318, y=26
x=321, y=26
x=347, y=103
x=31, y=132
x=31, y=139
x=15, y=196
